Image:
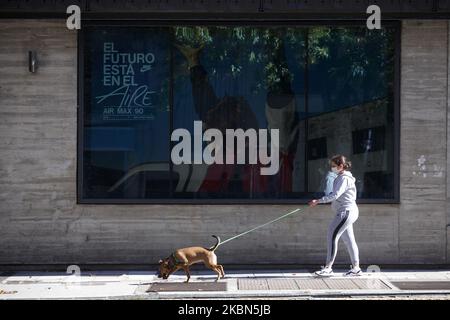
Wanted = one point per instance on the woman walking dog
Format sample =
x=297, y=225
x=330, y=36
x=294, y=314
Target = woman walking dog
x=343, y=200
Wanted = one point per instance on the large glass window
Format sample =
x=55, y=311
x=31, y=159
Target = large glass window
x=235, y=113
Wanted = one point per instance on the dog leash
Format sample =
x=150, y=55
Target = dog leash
x=260, y=226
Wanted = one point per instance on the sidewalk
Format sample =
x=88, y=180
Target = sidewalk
x=245, y=284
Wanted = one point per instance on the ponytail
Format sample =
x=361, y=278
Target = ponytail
x=340, y=159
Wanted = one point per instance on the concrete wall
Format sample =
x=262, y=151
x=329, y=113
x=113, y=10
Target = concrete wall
x=40, y=222
x=424, y=107
x=448, y=157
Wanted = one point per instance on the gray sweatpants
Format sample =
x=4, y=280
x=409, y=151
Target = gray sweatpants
x=342, y=225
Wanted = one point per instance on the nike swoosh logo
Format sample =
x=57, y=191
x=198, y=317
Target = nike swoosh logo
x=146, y=68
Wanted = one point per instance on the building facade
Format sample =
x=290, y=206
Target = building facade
x=89, y=180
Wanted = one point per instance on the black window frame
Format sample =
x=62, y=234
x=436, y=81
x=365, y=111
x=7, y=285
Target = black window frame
x=396, y=24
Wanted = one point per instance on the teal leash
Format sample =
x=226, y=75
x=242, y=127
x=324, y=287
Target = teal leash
x=263, y=225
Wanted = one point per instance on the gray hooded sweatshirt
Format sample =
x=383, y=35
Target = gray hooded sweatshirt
x=344, y=192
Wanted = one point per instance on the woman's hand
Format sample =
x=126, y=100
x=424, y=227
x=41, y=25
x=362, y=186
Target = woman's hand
x=313, y=203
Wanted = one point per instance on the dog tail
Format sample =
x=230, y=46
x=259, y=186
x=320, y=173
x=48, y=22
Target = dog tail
x=216, y=245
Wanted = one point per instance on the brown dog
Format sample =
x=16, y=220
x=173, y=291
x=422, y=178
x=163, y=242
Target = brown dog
x=185, y=257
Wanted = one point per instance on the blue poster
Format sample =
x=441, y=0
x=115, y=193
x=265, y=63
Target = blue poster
x=129, y=74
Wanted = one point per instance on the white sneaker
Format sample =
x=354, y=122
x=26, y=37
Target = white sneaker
x=353, y=272
x=325, y=272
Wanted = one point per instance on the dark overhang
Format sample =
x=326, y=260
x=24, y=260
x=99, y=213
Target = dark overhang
x=226, y=9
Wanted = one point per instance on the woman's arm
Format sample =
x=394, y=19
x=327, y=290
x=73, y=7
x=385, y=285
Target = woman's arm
x=340, y=185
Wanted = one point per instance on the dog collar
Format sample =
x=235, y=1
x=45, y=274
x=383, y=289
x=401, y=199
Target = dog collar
x=174, y=258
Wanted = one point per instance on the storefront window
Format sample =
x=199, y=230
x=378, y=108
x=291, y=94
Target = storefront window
x=235, y=113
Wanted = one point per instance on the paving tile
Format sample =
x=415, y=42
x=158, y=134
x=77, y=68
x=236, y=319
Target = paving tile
x=370, y=284
x=282, y=284
x=340, y=284
x=311, y=284
x=422, y=285
x=253, y=284
x=191, y=286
